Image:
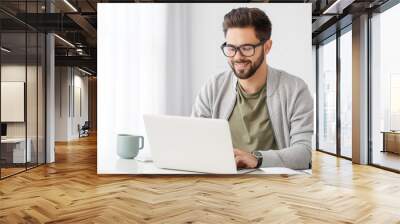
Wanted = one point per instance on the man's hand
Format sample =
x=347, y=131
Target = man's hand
x=244, y=159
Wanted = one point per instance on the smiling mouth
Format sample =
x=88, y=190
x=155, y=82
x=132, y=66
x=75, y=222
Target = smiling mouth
x=241, y=65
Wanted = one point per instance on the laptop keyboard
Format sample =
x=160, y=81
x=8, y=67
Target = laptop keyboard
x=242, y=170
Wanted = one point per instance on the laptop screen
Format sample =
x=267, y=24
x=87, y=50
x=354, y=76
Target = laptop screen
x=3, y=129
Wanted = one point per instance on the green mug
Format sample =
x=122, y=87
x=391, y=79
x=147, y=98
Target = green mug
x=128, y=146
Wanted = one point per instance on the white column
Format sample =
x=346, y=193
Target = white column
x=50, y=92
x=360, y=90
x=50, y=100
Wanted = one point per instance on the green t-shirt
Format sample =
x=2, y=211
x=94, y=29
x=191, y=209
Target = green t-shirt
x=249, y=122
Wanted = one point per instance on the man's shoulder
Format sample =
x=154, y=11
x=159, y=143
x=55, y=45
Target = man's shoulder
x=222, y=76
x=220, y=79
x=288, y=80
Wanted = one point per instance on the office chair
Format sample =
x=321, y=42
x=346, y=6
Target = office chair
x=84, y=130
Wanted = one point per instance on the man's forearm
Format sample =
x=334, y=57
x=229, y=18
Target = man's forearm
x=295, y=157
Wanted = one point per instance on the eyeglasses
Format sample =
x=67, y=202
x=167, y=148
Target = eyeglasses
x=246, y=50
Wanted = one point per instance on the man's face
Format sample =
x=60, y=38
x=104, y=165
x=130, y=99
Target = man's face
x=245, y=67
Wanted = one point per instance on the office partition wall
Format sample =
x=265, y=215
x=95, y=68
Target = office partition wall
x=22, y=77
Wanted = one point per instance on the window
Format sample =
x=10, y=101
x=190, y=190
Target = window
x=327, y=97
x=385, y=88
x=346, y=94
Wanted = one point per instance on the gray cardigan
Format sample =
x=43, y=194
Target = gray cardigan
x=289, y=104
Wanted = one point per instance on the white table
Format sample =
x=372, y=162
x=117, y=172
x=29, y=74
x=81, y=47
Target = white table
x=19, y=149
x=133, y=166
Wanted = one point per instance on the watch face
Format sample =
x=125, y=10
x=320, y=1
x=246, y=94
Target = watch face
x=259, y=158
x=257, y=154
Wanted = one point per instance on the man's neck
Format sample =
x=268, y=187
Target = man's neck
x=258, y=80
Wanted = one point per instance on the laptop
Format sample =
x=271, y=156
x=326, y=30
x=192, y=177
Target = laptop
x=191, y=144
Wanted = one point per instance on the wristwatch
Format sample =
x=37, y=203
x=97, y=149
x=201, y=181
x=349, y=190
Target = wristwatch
x=259, y=158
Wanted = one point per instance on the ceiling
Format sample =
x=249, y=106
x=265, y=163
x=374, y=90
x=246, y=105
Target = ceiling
x=76, y=22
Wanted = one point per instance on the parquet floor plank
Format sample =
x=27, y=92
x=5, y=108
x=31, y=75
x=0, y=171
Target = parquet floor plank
x=70, y=191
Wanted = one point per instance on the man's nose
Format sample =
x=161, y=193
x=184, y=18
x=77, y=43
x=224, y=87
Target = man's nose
x=238, y=56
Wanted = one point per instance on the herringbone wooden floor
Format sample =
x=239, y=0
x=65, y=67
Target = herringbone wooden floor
x=70, y=191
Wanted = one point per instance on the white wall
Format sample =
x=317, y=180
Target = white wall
x=14, y=72
x=61, y=103
x=67, y=80
x=80, y=82
x=12, y=100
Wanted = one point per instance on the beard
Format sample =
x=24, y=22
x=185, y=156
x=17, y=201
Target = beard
x=246, y=73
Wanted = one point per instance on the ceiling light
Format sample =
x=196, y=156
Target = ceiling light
x=5, y=50
x=337, y=7
x=64, y=40
x=70, y=5
x=84, y=71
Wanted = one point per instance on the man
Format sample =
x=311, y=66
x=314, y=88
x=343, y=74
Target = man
x=270, y=112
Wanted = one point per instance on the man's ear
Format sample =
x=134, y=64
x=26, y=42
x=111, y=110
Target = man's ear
x=267, y=46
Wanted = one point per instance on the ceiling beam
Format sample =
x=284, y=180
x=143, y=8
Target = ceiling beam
x=83, y=61
x=86, y=26
x=337, y=7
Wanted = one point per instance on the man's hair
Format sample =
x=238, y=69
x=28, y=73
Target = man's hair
x=249, y=17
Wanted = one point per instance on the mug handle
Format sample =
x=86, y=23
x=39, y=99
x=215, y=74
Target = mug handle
x=142, y=140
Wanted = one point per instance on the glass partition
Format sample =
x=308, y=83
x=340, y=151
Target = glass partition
x=14, y=153
x=22, y=77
